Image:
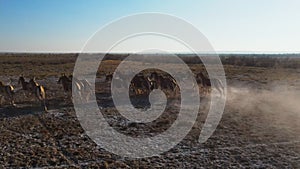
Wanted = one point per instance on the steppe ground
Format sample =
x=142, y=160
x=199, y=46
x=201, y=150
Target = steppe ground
x=260, y=127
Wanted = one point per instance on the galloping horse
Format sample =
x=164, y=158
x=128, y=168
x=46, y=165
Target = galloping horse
x=39, y=92
x=207, y=83
x=140, y=84
x=158, y=81
x=25, y=85
x=153, y=80
x=108, y=77
x=7, y=91
x=83, y=87
x=66, y=83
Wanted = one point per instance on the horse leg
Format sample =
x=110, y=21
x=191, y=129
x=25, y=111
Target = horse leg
x=12, y=100
x=220, y=90
x=87, y=97
x=42, y=98
x=43, y=103
x=23, y=91
x=37, y=98
x=203, y=90
x=136, y=91
x=207, y=90
x=1, y=100
x=66, y=95
x=140, y=91
x=69, y=96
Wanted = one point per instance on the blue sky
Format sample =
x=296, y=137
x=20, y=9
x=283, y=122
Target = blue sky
x=231, y=25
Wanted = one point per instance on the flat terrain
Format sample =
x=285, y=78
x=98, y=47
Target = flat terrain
x=260, y=127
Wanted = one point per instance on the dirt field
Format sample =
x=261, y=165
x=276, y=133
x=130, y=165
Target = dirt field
x=260, y=127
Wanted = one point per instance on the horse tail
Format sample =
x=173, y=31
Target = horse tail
x=10, y=93
x=174, y=83
x=219, y=86
x=41, y=94
x=88, y=85
x=220, y=83
x=11, y=90
x=44, y=97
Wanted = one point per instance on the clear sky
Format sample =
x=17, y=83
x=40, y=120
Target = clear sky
x=230, y=25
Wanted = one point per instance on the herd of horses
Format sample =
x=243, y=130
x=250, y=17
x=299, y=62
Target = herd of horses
x=144, y=84
x=32, y=87
x=140, y=84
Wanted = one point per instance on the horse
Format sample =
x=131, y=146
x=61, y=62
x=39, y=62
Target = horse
x=66, y=83
x=207, y=83
x=7, y=91
x=39, y=92
x=83, y=87
x=140, y=84
x=153, y=80
x=26, y=87
x=86, y=86
x=158, y=81
x=108, y=77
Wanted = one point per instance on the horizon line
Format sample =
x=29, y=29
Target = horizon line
x=215, y=52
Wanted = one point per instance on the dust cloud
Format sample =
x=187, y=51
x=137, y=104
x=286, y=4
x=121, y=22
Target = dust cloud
x=275, y=105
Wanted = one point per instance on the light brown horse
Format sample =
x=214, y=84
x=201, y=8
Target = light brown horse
x=7, y=91
x=39, y=92
x=84, y=88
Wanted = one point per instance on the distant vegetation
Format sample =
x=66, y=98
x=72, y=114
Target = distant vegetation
x=66, y=61
x=253, y=60
x=282, y=61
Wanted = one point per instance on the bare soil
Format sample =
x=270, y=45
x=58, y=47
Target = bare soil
x=260, y=127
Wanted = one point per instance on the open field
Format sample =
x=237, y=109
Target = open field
x=260, y=127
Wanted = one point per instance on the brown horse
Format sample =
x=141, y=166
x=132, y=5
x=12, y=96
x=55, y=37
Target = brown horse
x=164, y=83
x=207, y=83
x=39, y=92
x=108, y=77
x=66, y=83
x=7, y=91
x=26, y=87
x=82, y=87
x=140, y=85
